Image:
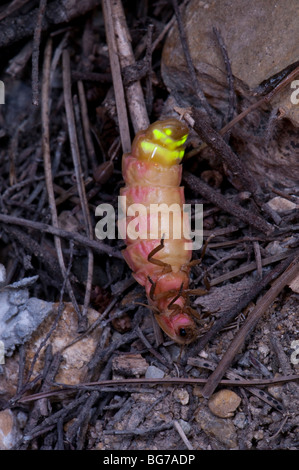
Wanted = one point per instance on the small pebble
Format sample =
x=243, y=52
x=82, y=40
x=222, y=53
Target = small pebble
x=19, y=296
x=182, y=396
x=263, y=349
x=153, y=372
x=185, y=426
x=275, y=248
x=22, y=419
x=197, y=391
x=275, y=390
x=258, y=435
x=222, y=430
x=2, y=274
x=240, y=420
x=133, y=365
x=9, y=433
x=175, y=352
x=280, y=204
x=224, y=403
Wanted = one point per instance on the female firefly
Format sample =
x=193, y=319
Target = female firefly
x=152, y=173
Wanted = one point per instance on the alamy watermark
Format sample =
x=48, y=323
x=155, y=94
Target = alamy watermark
x=2, y=352
x=295, y=93
x=2, y=92
x=295, y=354
x=139, y=222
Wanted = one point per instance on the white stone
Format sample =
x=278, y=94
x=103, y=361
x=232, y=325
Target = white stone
x=280, y=204
x=9, y=432
x=154, y=372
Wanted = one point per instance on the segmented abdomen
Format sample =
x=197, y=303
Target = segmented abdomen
x=152, y=173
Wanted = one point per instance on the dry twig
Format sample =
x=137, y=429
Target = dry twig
x=35, y=51
x=116, y=77
x=58, y=12
x=181, y=432
x=239, y=174
x=264, y=303
x=191, y=68
x=199, y=187
x=13, y=6
x=79, y=179
x=232, y=100
x=86, y=126
x=134, y=93
x=97, y=246
x=63, y=388
x=228, y=317
x=48, y=166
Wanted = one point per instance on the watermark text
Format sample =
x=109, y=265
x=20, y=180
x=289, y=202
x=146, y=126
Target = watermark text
x=2, y=92
x=137, y=221
x=2, y=352
x=295, y=93
x=295, y=354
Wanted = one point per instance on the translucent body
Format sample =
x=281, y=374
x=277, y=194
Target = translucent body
x=152, y=173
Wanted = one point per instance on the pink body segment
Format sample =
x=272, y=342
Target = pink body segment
x=152, y=174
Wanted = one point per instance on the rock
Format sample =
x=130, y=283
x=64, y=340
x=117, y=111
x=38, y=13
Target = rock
x=221, y=429
x=20, y=315
x=197, y=391
x=75, y=357
x=271, y=156
x=264, y=350
x=258, y=435
x=175, y=352
x=181, y=395
x=276, y=390
x=153, y=372
x=240, y=420
x=224, y=403
x=294, y=285
x=129, y=365
x=22, y=419
x=226, y=295
x=2, y=274
x=185, y=426
x=243, y=33
x=274, y=248
x=280, y=204
x=9, y=372
x=9, y=431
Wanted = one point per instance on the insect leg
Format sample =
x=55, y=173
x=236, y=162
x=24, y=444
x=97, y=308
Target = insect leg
x=157, y=262
x=197, y=291
x=152, y=289
x=162, y=295
x=171, y=304
x=203, y=251
x=194, y=262
x=192, y=312
x=206, y=280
